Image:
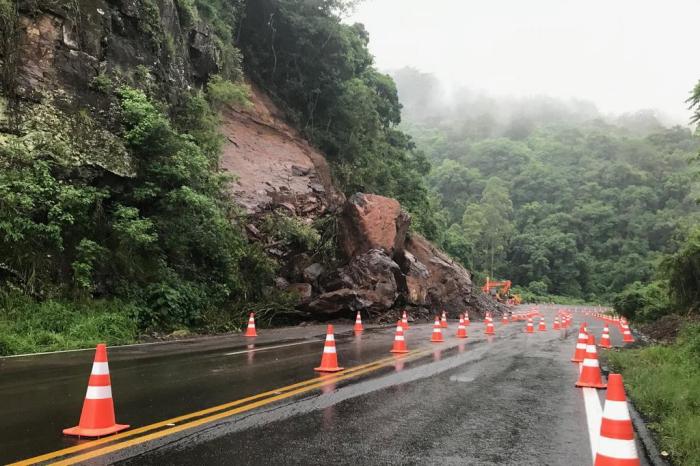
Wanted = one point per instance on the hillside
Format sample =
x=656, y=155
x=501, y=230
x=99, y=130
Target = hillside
x=551, y=194
x=149, y=184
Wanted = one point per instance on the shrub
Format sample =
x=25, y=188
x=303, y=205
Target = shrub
x=291, y=231
x=664, y=383
x=643, y=303
x=221, y=92
x=27, y=325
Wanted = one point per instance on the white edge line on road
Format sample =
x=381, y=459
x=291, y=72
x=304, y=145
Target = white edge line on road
x=273, y=347
x=91, y=349
x=594, y=415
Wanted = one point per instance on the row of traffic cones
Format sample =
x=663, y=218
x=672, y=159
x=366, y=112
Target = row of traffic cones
x=616, y=445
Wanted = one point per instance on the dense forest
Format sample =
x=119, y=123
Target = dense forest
x=552, y=194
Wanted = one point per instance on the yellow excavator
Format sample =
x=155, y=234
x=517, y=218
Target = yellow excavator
x=500, y=291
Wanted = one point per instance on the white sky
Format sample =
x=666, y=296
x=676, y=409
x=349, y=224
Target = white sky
x=623, y=55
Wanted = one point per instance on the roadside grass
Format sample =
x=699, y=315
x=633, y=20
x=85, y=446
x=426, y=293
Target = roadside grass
x=664, y=383
x=27, y=326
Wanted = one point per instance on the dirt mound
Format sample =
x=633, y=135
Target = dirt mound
x=666, y=329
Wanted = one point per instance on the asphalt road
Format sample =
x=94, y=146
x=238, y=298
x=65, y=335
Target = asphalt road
x=509, y=399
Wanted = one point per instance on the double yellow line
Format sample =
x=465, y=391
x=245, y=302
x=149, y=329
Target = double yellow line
x=198, y=418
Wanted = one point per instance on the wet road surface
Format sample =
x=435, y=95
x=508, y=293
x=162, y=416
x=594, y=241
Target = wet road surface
x=505, y=400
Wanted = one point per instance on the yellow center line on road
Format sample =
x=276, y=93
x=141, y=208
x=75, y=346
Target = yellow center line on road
x=244, y=404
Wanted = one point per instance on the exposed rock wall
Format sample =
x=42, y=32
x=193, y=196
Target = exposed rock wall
x=65, y=45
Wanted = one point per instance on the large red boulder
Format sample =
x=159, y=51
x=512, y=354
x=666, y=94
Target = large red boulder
x=434, y=280
x=369, y=221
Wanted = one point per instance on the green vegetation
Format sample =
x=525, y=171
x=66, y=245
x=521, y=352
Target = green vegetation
x=664, y=382
x=166, y=240
x=677, y=283
x=222, y=92
x=554, y=197
x=115, y=224
x=320, y=72
x=683, y=273
x=643, y=303
x=28, y=326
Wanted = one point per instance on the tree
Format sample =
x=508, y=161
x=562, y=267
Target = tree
x=497, y=209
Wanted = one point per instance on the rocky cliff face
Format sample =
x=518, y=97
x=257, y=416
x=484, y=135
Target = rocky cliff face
x=65, y=45
x=65, y=49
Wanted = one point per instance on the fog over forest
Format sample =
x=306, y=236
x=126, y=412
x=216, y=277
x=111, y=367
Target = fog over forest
x=427, y=100
x=623, y=56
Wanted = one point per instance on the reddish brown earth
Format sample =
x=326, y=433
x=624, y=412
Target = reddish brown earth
x=373, y=222
x=272, y=163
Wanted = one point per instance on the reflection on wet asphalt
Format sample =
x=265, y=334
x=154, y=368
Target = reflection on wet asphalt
x=508, y=399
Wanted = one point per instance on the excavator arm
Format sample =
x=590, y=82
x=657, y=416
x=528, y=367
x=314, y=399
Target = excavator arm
x=500, y=290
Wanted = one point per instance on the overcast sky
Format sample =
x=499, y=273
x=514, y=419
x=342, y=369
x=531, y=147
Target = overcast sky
x=623, y=55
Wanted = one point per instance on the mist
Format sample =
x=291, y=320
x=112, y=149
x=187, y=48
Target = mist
x=614, y=57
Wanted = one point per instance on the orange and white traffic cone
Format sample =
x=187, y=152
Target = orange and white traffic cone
x=543, y=326
x=616, y=445
x=250, y=331
x=490, y=329
x=530, y=327
x=581, y=343
x=436, y=337
x=504, y=319
x=399, y=340
x=466, y=319
x=605, y=338
x=461, y=329
x=404, y=321
x=556, y=325
x=329, y=360
x=97, y=417
x=443, y=320
x=590, y=371
x=627, y=334
x=358, y=328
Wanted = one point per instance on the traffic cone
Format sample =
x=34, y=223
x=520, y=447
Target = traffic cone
x=250, y=331
x=443, y=320
x=358, y=328
x=461, y=329
x=580, y=352
x=556, y=325
x=399, y=340
x=627, y=335
x=329, y=360
x=590, y=371
x=530, y=327
x=466, y=319
x=489, y=329
x=404, y=321
x=543, y=325
x=436, y=337
x=605, y=338
x=504, y=319
x=97, y=417
x=616, y=445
